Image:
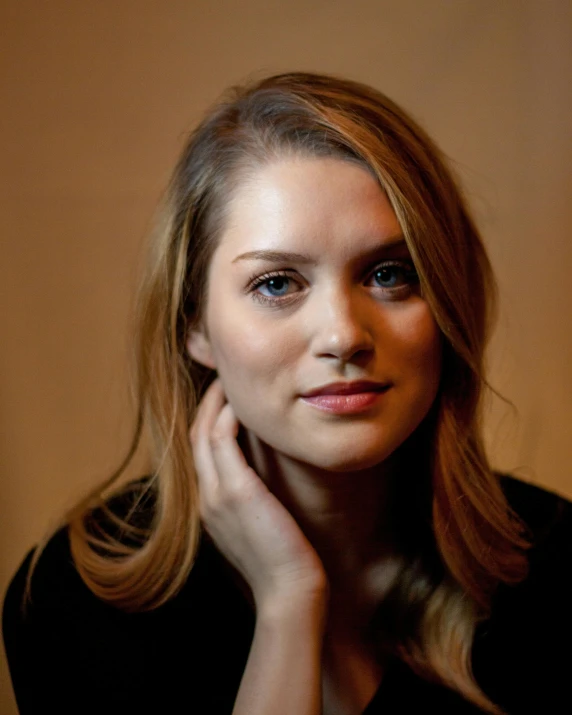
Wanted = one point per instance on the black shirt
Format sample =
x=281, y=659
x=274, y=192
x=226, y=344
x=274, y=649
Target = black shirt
x=74, y=653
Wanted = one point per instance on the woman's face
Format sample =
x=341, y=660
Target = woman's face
x=348, y=307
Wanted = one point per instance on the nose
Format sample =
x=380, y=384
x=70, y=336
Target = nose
x=341, y=326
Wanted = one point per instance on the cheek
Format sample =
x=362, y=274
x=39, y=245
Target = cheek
x=248, y=348
x=419, y=345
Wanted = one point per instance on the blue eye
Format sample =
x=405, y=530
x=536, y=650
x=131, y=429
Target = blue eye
x=278, y=283
x=395, y=281
x=395, y=274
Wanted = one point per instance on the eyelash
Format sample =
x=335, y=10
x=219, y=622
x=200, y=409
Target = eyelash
x=256, y=281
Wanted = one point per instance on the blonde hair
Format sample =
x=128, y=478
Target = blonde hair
x=463, y=538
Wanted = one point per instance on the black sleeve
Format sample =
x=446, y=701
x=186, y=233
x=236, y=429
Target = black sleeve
x=30, y=645
x=524, y=655
x=68, y=652
x=45, y=640
x=15, y=633
x=72, y=653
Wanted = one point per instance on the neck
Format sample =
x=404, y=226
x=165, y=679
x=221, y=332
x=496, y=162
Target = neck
x=344, y=515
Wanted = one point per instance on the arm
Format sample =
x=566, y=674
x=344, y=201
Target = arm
x=283, y=671
x=263, y=542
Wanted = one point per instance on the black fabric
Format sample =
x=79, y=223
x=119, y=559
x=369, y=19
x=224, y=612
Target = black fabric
x=75, y=654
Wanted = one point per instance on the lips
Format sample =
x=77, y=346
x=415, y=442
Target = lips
x=347, y=388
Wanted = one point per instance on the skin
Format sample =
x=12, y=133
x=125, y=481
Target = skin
x=339, y=320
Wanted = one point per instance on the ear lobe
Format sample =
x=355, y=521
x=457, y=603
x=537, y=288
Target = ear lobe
x=199, y=348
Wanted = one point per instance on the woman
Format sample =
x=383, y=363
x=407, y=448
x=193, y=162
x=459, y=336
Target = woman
x=310, y=364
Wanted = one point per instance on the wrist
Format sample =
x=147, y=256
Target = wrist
x=291, y=607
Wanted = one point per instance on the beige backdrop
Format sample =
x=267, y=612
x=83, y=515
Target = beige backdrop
x=96, y=99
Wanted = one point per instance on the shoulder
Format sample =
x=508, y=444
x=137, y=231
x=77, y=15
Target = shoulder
x=55, y=585
x=521, y=654
x=538, y=505
x=41, y=633
x=55, y=581
x=57, y=604
x=547, y=515
x=69, y=643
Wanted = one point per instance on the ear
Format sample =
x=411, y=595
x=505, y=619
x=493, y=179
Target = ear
x=199, y=347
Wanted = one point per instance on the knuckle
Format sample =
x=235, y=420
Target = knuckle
x=217, y=437
x=209, y=507
x=227, y=499
x=234, y=493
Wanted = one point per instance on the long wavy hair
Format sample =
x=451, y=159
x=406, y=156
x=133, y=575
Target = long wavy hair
x=462, y=537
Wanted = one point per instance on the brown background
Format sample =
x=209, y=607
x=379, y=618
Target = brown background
x=96, y=99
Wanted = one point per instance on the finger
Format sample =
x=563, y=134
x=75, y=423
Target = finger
x=226, y=424
x=205, y=467
x=233, y=471
x=208, y=410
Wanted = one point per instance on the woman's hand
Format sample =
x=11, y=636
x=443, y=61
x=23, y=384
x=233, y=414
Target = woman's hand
x=249, y=525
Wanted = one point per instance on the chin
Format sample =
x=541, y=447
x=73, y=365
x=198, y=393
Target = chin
x=340, y=458
x=353, y=463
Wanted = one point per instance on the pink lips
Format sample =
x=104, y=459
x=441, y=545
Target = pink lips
x=347, y=388
x=346, y=397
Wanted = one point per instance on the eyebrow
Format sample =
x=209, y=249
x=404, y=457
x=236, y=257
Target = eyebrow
x=279, y=256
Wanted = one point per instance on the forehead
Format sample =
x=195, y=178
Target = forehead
x=309, y=204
